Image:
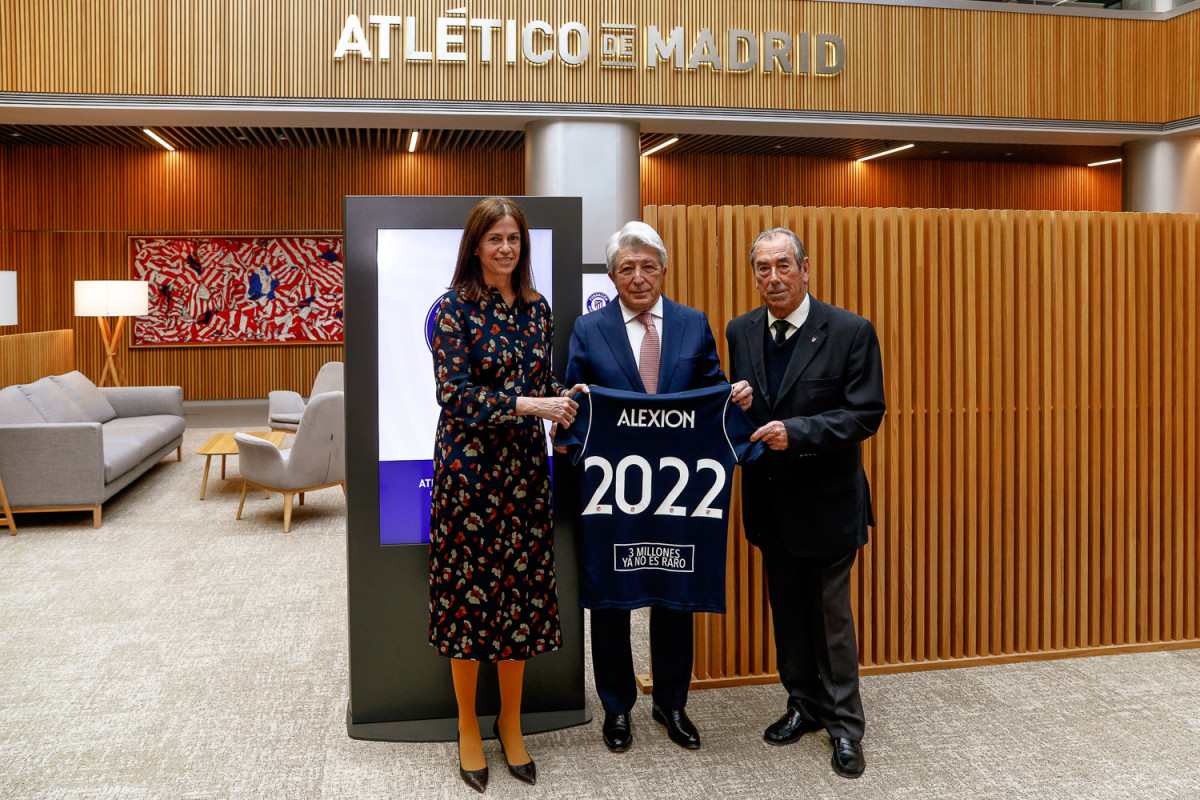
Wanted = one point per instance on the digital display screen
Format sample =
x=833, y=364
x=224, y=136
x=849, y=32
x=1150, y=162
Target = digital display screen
x=414, y=268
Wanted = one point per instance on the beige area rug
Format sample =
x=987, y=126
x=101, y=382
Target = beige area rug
x=179, y=654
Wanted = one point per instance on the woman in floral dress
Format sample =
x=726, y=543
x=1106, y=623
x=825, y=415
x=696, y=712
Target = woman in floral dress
x=491, y=588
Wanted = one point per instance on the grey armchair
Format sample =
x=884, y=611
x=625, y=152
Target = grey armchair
x=284, y=408
x=317, y=459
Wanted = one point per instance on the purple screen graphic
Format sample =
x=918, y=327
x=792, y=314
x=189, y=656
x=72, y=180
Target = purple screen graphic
x=404, y=501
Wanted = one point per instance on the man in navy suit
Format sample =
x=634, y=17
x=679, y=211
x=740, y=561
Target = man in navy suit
x=818, y=393
x=644, y=343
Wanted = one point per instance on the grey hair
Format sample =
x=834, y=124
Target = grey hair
x=797, y=246
x=634, y=234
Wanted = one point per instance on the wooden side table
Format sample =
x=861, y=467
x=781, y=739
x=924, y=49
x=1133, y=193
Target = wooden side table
x=223, y=444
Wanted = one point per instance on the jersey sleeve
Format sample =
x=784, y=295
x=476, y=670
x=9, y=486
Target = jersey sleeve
x=738, y=429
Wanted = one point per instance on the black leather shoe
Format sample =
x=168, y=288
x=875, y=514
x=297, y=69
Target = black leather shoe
x=618, y=732
x=527, y=772
x=848, y=760
x=789, y=728
x=475, y=778
x=680, y=729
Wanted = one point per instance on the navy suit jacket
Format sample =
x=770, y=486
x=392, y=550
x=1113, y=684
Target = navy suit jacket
x=812, y=497
x=600, y=353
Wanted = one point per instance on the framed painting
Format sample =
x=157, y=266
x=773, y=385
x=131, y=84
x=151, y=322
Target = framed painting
x=234, y=290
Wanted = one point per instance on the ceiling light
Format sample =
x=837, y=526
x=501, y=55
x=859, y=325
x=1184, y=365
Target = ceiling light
x=1102, y=163
x=662, y=146
x=887, y=152
x=412, y=141
x=158, y=139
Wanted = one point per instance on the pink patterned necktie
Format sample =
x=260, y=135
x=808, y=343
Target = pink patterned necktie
x=648, y=356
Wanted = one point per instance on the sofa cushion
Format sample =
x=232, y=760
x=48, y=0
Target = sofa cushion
x=52, y=402
x=291, y=419
x=150, y=433
x=121, y=454
x=15, y=408
x=83, y=393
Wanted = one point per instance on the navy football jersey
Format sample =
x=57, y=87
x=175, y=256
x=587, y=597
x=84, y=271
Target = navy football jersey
x=657, y=475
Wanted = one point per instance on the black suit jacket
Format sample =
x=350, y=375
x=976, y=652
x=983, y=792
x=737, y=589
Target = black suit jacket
x=813, y=497
x=600, y=351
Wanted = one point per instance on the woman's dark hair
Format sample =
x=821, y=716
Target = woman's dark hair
x=468, y=273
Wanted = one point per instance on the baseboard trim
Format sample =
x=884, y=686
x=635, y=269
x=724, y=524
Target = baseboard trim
x=646, y=682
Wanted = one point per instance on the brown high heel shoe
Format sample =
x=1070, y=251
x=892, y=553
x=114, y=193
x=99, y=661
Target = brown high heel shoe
x=527, y=773
x=475, y=778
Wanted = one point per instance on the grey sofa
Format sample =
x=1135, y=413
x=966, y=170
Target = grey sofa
x=66, y=444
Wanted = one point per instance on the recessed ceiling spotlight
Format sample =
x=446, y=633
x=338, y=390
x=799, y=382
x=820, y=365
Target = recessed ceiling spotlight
x=661, y=146
x=945, y=152
x=158, y=139
x=887, y=152
x=14, y=134
x=281, y=137
x=778, y=146
x=1008, y=154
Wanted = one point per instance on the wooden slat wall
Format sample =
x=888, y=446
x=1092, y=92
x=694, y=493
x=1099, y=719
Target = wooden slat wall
x=1035, y=477
x=54, y=237
x=26, y=357
x=899, y=59
x=711, y=178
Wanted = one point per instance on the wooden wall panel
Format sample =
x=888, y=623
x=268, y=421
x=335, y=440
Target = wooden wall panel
x=1035, y=477
x=26, y=357
x=78, y=206
x=703, y=179
x=899, y=59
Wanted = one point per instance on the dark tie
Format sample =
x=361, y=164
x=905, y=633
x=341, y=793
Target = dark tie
x=648, y=355
x=781, y=329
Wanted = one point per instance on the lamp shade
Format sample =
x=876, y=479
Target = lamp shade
x=8, y=298
x=112, y=298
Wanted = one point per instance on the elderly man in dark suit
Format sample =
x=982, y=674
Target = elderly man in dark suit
x=817, y=381
x=644, y=343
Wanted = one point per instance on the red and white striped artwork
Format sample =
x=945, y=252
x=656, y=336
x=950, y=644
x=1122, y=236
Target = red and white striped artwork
x=239, y=289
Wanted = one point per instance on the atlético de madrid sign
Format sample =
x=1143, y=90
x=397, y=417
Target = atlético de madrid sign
x=456, y=37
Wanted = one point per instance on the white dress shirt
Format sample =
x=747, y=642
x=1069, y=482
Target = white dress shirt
x=794, y=319
x=636, y=331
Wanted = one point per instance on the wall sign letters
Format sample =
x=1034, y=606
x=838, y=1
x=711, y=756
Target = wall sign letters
x=456, y=38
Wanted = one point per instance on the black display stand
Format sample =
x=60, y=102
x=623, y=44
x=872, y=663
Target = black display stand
x=400, y=689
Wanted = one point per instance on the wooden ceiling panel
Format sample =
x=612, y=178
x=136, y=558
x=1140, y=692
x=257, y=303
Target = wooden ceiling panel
x=190, y=138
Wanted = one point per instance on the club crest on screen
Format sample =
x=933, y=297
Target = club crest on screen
x=430, y=316
x=597, y=301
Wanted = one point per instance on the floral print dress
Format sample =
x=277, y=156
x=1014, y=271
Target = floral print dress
x=491, y=558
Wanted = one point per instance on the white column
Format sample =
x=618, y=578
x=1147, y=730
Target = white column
x=597, y=160
x=1161, y=175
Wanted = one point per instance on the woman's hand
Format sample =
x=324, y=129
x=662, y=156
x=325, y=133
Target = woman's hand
x=576, y=389
x=560, y=410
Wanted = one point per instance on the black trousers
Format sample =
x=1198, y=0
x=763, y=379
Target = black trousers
x=815, y=642
x=670, y=658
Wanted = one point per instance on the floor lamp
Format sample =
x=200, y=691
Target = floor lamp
x=104, y=299
x=8, y=316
